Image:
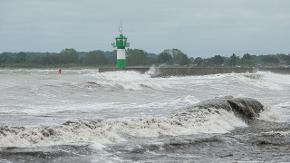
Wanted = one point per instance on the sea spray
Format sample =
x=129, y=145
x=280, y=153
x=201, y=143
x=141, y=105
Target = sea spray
x=207, y=117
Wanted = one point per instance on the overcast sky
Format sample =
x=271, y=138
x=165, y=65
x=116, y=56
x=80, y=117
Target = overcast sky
x=197, y=27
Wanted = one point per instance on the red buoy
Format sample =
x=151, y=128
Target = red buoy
x=59, y=71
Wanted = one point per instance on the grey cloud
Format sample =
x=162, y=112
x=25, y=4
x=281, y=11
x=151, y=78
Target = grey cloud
x=199, y=27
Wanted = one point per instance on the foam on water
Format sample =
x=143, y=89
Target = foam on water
x=129, y=80
x=265, y=80
x=115, y=130
x=154, y=106
x=41, y=92
x=277, y=113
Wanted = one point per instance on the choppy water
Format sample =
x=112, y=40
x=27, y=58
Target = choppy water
x=86, y=116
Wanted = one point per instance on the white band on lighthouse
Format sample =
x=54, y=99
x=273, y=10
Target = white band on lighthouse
x=121, y=54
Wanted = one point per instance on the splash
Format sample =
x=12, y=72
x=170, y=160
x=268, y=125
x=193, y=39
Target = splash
x=153, y=71
x=128, y=80
x=216, y=116
x=277, y=113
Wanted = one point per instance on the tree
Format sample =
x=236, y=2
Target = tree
x=270, y=59
x=247, y=60
x=20, y=57
x=6, y=58
x=164, y=58
x=216, y=60
x=198, y=61
x=68, y=56
x=288, y=59
x=234, y=60
x=95, y=58
x=136, y=57
x=179, y=57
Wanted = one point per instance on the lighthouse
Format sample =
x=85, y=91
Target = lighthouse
x=121, y=44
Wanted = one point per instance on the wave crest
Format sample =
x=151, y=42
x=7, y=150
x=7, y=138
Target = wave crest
x=213, y=116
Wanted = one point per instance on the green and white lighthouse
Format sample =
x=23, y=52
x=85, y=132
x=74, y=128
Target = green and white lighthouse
x=121, y=44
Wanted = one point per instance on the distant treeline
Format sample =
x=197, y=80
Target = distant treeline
x=136, y=57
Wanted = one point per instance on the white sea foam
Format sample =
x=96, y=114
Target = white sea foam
x=35, y=92
x=265, y=80
x=115, y=130
x=129, y=80
x=277, y=113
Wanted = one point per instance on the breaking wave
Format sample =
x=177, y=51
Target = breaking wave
x=129, y=80
x=265, y=80
x=216, y=116
x=113, y=131
x=277, y=113
x=132, y=80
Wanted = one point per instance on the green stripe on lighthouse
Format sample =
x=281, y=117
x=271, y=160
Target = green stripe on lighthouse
x=121, y=63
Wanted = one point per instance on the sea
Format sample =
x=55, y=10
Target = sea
x=84, y=115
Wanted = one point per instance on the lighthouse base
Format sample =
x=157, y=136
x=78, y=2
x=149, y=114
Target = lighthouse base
x=121, y=63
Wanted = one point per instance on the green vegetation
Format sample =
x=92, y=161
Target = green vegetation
x=136, y=57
